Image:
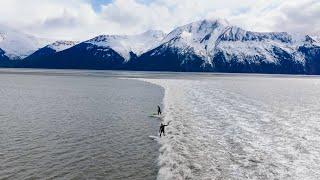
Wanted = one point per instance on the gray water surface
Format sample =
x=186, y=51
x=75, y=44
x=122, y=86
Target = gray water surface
x=73, y=124
x=77, y=127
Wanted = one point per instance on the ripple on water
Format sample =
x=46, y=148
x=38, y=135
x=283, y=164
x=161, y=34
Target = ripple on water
x=65, y=127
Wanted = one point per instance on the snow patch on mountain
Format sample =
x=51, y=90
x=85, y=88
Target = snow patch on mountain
x=247, y=46
x=206, y=38
x=206, y=45
x=61, y=45
x=196, y=37
x=18, y=45
x=124, y=44
x=315, y=40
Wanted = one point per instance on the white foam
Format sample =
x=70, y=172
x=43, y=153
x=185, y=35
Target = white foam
x=240, y=128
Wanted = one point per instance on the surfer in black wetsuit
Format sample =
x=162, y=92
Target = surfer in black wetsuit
x=159, y=110
x=161, y=130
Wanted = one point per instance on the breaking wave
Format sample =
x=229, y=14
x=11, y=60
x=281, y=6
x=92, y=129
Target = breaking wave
x=240, y=128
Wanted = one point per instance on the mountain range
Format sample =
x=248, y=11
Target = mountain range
x=202, y=46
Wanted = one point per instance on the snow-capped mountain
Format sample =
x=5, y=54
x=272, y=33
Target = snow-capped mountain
x=313, y=39
x=46, y=52
x=199, y=37
x=61, y=45
x=207, y=45
x=5, y=61
x=215, y=45
x=127, y=44
x=101, y=52
x=74, y=55
x=187, y=46
x=3, y=56
x=51, y=49
x=18, y=45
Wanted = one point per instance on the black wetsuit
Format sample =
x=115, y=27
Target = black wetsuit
x=159, y=110
x=161, y=130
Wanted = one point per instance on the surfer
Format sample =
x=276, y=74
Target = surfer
x=161, y=130
x=159, y=110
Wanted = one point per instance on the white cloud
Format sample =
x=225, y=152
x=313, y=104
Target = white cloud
x=76, y=19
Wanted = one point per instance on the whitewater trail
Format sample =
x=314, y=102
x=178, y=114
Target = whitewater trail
x=240, y=129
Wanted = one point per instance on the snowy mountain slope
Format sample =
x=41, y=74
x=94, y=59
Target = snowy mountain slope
x=229, y=48
x=18, y=45
x=125, y=44
x=207, y=45
x=2, y=55
x=245, y=44
x=196, y=37
x=275, y=52
x=184, y=48
x=5, y=61
x=208, y=37
x=108, y=50
x=61, y=45
x=80, y=56
x=314, y=40
x=51, y=49
x=312, y=57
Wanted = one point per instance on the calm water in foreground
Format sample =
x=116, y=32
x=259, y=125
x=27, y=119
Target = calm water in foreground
x=77, y=127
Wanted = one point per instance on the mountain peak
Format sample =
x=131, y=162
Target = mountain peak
x=157, y=34
x=198, y=35
x=205, y=45
x=62, y=45
x=199, y=29
x=209, y=23
x=18, y=45
x=127, y=44
x=218, y=21
x=152, y=32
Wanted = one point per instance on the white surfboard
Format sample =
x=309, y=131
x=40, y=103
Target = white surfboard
x=155, y=115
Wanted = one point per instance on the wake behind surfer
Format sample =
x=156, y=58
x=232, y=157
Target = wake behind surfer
x=159, y=110
x=161, y=129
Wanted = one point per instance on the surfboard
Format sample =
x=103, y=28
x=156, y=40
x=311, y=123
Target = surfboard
x=155, y=138
x=155, y=115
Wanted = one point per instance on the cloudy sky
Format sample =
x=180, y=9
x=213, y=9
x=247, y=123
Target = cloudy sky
x=83, y=19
